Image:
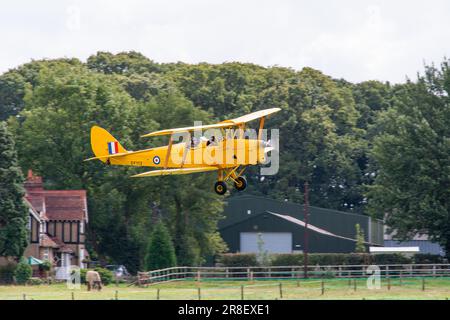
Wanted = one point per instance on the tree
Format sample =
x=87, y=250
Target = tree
x=13, y=212
x=412, y=163
x=359, y=246
x=160, y=252
x=23, y=272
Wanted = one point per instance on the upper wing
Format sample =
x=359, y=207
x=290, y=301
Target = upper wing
x=252, y=116
x=187, y=129
x=223, y=124
x=168, y=172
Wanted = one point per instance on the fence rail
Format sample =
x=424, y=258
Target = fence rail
x=290, y=272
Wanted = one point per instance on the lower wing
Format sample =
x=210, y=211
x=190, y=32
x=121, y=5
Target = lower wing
x=168, y=172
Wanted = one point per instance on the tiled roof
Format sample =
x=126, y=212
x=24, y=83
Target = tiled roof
x=48, y=242
x=56, y=204
x=61, y=245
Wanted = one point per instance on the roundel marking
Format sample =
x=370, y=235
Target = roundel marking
x=156, y=160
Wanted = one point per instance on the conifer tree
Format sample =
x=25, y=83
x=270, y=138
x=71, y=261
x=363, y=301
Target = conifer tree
x=13, y=212
x=160, y=252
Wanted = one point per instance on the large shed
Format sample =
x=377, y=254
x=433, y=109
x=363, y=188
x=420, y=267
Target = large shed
x=278, y=226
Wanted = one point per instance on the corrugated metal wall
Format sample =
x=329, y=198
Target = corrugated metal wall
x=341, y=223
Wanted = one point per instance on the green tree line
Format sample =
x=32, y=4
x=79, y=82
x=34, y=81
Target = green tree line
x=371, y=147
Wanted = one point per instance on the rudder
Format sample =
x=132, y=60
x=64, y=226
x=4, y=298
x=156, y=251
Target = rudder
x=103, y=143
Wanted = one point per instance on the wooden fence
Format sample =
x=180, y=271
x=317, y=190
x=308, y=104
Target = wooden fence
x=291, y=272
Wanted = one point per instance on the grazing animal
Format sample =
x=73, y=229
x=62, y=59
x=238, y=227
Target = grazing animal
x=93, y=280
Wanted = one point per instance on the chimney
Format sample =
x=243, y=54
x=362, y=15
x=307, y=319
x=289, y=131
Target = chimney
x=33, y=183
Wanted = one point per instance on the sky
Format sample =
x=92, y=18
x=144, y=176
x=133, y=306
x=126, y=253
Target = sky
x=356, y=40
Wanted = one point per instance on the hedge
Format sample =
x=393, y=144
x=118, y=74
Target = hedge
x=7, y=273
x=294, y=259
x=238, y=260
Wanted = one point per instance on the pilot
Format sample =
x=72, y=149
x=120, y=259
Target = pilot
x=194, y=142
x=212, y=141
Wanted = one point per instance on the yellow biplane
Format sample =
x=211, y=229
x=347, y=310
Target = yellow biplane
x=228, y=150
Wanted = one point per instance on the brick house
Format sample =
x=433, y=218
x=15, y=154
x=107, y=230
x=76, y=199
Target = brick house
x=57, y=224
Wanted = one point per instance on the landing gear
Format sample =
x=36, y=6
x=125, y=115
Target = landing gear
x=230, y=174
x=220, y=187
x=240, y=183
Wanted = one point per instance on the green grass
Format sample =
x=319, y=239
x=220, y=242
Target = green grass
x=409, y=288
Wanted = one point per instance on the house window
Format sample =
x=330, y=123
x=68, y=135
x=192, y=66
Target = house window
x=45, y=255
x=29, y=223
x=81, y=227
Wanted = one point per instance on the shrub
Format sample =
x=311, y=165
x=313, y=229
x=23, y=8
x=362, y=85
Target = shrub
x=391, y=258
x=23, y=272
x=45, y=266
x=287, y=259
x=35, y=281
x=105, y=274
x=422, y=258
x=7, y=273
x=323, y=259
x=238, y=260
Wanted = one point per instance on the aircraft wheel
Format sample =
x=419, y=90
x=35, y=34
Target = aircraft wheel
x=220, y=187
x=240, y=183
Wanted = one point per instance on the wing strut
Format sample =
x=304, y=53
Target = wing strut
x=169, y=149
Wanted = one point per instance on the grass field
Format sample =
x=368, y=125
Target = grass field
x=407, y=288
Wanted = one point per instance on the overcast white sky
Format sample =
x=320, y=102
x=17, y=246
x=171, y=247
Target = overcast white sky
x=351, y=39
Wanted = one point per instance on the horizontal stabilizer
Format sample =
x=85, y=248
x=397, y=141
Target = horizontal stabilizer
x=118, y=155
x=107, y=156
x=168, y=172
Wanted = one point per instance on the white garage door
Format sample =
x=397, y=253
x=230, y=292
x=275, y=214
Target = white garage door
x=273, y=242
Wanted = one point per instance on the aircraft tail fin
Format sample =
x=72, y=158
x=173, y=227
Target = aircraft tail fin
x=103, y=144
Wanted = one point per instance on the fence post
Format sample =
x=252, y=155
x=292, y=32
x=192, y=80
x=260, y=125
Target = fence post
x=423, y=284
x=401, y=277
x=354, y=284
x=270, y=272
x=340, y=271
x=251, y=276
x=434, y=270
x=281, y=291
x=323, y=287
x=227, y=272
x=389, y=283
x=198, y=276
x=248, y=274
x=242, y=292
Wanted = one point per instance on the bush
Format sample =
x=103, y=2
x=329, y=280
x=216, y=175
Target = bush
x=7, y=273
x=105, y=274
x=238, y=260
x=23, y=272
x=35, y=281
x=45, y=266
x=391, y=258
x=422, y=258
x=322, y=259
x=287, y=259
